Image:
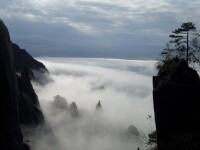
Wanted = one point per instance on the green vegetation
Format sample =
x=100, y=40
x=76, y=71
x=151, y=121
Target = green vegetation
x=184, y=44
x=149, y=140
x=167, y=66
x=152, y=141
x=182, y=50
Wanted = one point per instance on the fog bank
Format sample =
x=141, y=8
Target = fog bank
x=124, y=88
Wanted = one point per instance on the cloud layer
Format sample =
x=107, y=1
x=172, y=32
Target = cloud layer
x=126, y=28
x=124, y=88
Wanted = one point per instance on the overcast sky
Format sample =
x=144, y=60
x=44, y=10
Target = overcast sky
x=96, y=28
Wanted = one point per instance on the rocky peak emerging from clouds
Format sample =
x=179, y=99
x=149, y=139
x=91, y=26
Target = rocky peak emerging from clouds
x=176, y=105
x=10, y=132
x=29, y=107
x=99, y=107
x=19, y=104
x=23, y=60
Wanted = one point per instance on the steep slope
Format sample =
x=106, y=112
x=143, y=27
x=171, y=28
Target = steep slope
x=29, y=106
x=23, y=60
x=10, y=133
x=19, y=104
x=176, y=105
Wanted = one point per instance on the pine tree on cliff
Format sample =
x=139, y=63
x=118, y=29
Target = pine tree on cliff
x=180, y=40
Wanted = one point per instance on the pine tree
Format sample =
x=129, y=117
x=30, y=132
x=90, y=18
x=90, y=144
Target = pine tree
x=180, y=40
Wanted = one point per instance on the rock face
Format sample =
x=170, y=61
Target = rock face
x=29, y=106
x=10, y=133
x=99, y=107
x=74, y=110
x=60, y=103
x=24, y=60
x=176, y=106
x=19, y=104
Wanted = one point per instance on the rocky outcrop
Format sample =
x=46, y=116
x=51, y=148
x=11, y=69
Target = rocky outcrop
x=74, y=110
x=99, y=107
x=176, y=104
x=23, y=60
x=19, y=105
x=10, y=133
x=29, y=107
x=59, y=103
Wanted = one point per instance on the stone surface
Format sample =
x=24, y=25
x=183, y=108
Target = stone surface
x=60, y=103
x=29, y=107
x=19, y=104
x=10, y=133
x=99, y=107
x=23, y=60
x=176, y=105
x=74, y=110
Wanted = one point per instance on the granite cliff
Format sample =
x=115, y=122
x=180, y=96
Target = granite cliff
x=176, y=106
x=23, y=60
x=19, y=105
x=29, y=106
x=10, y=132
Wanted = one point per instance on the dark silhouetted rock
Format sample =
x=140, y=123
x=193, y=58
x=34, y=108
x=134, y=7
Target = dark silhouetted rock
x=19, y=105
x=99, y=107
x=10, y=133
x=26, y=146
x=74, y=110
x=176, y=104
x=29, y=106
x=23, y=60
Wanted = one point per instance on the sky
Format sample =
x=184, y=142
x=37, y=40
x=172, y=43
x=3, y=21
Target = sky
x=124, y=88
x=130, y=29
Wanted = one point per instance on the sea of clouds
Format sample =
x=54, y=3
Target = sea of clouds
x=124, y=88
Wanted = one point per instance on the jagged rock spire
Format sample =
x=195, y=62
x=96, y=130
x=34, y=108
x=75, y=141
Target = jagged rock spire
x=99, y=107
x=74, y=110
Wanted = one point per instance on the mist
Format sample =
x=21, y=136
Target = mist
x=124, y=89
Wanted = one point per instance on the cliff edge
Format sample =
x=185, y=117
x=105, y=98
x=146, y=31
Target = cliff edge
x=10, y=132
x=176, y=105
x=19, y=104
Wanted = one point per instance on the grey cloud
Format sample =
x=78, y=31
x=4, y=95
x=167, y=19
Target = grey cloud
x=96, y=28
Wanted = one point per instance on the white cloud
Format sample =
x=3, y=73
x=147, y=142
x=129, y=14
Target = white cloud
x=124, y=88
x=106, y=15
x=91, y=27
